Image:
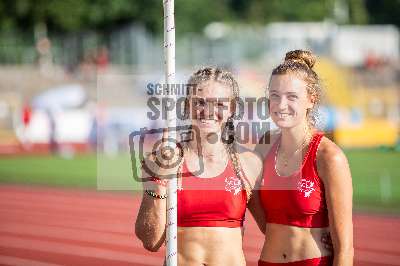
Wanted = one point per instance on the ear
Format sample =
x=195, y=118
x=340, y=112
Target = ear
x=310, y=102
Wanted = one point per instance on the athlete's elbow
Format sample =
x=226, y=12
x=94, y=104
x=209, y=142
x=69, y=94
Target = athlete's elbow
x=151, y=246
x=345, y=250
x=148, y=242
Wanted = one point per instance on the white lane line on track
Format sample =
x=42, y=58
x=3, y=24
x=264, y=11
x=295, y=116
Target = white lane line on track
x=68, y=249
x=8, y=260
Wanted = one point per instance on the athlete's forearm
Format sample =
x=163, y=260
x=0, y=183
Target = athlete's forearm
x=151, y=219
x=343, y=257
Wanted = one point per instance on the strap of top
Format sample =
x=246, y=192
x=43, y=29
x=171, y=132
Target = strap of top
x=314, y=146
x=312, y=155
x=309, y=156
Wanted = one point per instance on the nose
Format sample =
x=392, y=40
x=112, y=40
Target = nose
x=210, y=110
x=282, y=104
x=206, y=112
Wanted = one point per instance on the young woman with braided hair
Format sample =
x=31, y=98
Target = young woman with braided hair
x=306, y=188
x=211, y=206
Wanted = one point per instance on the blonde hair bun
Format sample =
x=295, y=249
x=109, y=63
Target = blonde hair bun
x=301, y=56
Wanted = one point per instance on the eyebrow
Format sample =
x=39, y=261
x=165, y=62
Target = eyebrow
x=289, y=92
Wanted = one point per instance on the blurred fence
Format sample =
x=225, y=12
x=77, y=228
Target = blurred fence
x=220, y=44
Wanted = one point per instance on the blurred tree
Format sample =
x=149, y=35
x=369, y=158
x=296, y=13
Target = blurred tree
x=384, y=12
x=194, y=15
x=76, y=15
x=285, y=10
x=357, y=12
x=240, y=7
x=191, y=15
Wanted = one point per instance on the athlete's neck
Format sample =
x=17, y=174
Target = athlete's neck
x=294, y=137
x=212, y=147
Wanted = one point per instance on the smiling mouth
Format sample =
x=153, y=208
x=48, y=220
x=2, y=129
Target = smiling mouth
x=282, y=115
x=208, y=122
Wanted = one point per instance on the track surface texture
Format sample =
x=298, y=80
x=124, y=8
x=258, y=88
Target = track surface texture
x=54, y=226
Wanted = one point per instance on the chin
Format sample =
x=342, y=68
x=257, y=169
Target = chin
x=207, y=129
x=284, y=124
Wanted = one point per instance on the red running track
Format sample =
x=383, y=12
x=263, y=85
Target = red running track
x=50, y=226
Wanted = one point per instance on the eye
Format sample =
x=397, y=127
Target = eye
x=221, y=105
x=200, y=102
x=274, y=96
x=293, y=97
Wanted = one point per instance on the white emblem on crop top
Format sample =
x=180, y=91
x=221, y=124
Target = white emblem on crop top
x=233, y=184
x=306, y=186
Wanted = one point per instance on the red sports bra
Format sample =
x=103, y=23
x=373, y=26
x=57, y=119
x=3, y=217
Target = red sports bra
x=298, y=199
x=211, y=202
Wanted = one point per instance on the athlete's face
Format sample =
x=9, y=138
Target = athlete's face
x=289, y=100
x=210, y=106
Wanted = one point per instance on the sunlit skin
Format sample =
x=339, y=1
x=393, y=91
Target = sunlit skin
x=289, y=104
x=202, y=245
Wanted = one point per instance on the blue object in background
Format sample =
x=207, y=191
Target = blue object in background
x=327, y=118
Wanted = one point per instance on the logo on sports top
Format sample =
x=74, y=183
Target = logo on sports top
x=306, y=186
x=233, y=184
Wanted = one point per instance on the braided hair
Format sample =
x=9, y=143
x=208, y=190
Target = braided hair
x=219, y=75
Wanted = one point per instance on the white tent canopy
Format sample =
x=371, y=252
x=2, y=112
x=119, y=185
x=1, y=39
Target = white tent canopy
x=61, y=97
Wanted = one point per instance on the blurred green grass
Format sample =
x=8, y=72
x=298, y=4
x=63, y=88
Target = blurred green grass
x=372, y=171
x=84, y=171
x=49, y=170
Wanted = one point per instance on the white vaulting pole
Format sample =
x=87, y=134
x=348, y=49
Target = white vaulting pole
x=169, y=57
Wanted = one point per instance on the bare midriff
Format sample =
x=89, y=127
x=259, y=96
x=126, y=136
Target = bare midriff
x=210, y=246
x=285, y=243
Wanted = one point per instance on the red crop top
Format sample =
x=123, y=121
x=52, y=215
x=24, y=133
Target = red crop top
x=298, y=199
x=211, y=202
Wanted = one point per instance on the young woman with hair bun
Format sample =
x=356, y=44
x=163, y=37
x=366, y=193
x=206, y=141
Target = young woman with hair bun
x=306, y=188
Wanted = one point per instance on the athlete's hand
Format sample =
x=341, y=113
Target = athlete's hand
x=327, y=241
x=164, y=163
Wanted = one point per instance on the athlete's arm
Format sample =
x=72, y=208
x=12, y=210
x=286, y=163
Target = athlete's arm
x=251, y=163
x=334, y=171
x=260, y=152
x=151, y=219
x=256, y=210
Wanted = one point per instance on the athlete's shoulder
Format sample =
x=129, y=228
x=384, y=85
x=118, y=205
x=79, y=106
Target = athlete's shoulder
x=331, y=161
x=250, y=161
x=247, y=154
x=328, y=151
